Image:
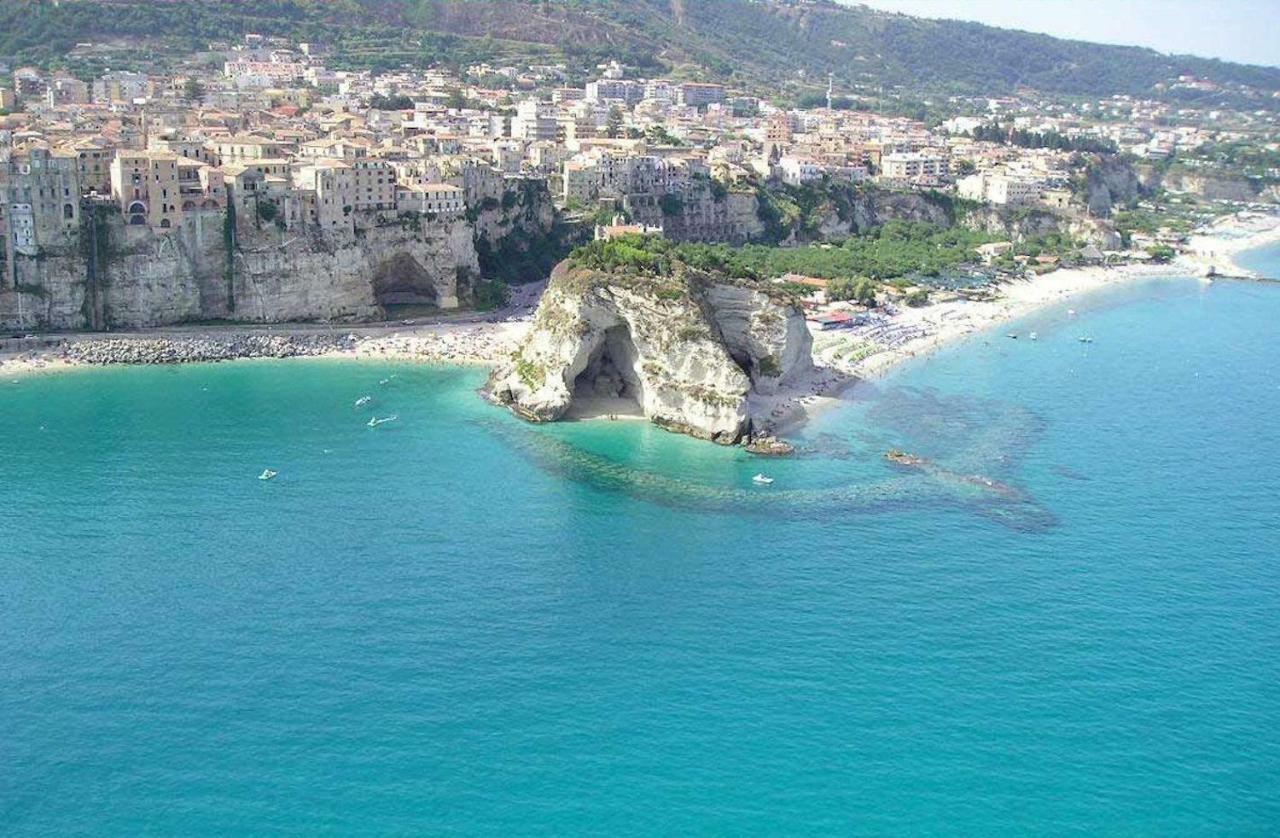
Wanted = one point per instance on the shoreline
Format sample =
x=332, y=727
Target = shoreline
x=842, y=360
x=472, y=344
x=919, y=333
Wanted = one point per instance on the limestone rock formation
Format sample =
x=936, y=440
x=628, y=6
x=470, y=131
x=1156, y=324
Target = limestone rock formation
x=686, y=349
x=143, y=278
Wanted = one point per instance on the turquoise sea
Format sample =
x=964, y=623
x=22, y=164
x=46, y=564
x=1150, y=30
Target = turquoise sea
x=1068, y=621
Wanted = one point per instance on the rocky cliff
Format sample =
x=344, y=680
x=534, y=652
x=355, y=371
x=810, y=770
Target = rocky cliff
x=1024, y=223
x=1212, y=185
x=112, y=276
x=686, y=349
x=143, y=278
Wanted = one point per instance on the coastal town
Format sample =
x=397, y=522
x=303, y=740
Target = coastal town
x=639, y=417
x=400, y=209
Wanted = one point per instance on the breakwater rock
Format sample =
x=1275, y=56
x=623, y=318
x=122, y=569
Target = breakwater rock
x=196, y=349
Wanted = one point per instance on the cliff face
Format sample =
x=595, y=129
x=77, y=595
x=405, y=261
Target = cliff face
x=517, y=235
x=1217, y=187
x=1020, y=225
x=146, y=278
x=687, y=350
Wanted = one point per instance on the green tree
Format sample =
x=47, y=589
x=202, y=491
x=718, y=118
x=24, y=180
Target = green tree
x=860, y=290
x=613, y=127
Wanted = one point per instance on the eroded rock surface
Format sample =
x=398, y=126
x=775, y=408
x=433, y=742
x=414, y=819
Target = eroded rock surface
x=687, y=350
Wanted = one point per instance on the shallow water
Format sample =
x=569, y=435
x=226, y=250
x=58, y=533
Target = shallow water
x=1069, y=619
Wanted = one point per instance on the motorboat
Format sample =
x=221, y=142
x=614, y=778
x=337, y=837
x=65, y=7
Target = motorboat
x=363, y=400
x=1085, y=339
x=267, y=474
x=375, y=421
x=761, y=480
x=1033, y=336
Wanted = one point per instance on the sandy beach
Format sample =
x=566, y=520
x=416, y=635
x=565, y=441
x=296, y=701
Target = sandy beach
x=886, y=339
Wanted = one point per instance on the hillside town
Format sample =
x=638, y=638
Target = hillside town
x=264, y=138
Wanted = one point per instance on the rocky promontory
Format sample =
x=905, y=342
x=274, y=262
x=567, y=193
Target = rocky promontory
x=685, y=347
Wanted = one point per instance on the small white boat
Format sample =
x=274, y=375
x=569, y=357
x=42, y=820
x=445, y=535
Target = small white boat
x=363, y=400
x=761, y=480
x=384, y=382
x=1071, y=312
x=267, y=474
x=1033, y=336
x=1012, y=335
x=375, y=421
x=1084, y=339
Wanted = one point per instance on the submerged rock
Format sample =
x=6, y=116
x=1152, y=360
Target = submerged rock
x=687, y=347
x=770, y=446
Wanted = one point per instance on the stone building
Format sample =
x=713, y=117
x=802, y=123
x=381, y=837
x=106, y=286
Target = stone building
x=39, y=203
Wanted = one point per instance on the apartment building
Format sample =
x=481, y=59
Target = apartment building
x=914, y=166
x=145, y=185
x=695, y=95
x=440, y=200
x=39, y=202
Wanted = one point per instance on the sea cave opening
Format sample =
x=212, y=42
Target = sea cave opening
x=403, y=287
x=610, y=384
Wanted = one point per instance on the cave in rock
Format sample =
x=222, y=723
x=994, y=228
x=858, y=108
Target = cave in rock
x=401, y=285
x=611, y=371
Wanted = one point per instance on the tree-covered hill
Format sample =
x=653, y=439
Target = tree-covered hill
x=764, y=45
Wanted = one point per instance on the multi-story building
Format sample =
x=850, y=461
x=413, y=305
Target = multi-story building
x=250, y=73
x=191, y=148
x=66, y=90
x=29, y=83
x=798, y=171
x=238, y=149
x=121, y=86
x=440, y=200
x=145, y=185
x=534, y=121
x=200, y=186
x=603, y=174
x=614, y=90
x=93, y=160
x=1000, y=188
x=374, y=184
x=568, y=94
x=914, y=165
x=39, y=203
x=695, y=95
x=332, y=198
